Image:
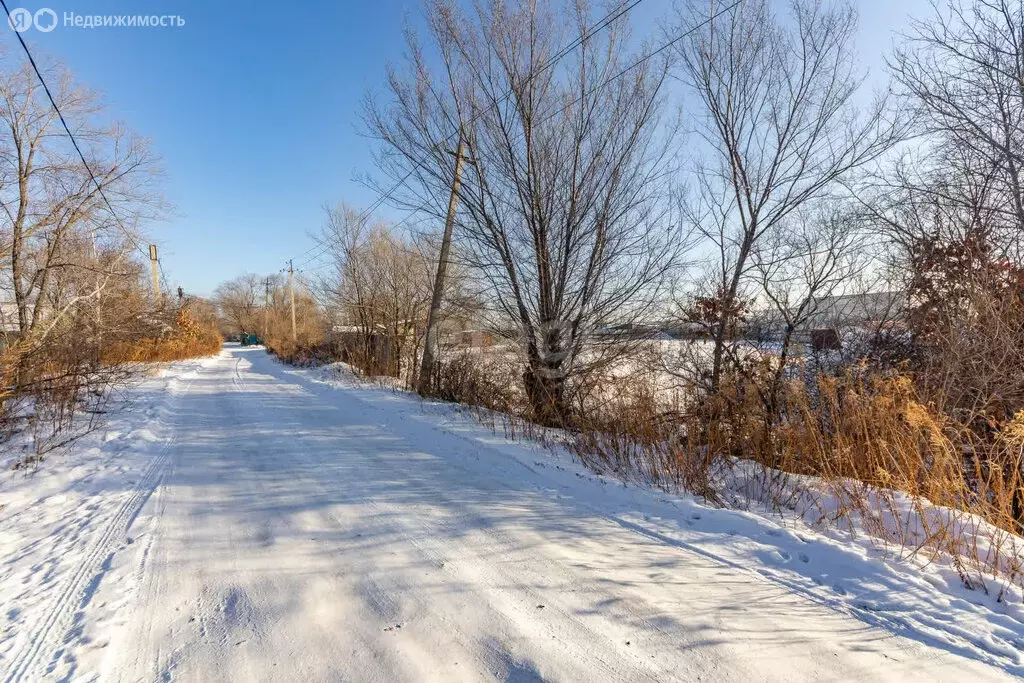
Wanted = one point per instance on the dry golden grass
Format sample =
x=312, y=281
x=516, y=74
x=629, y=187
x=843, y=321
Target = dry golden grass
x=862, y=452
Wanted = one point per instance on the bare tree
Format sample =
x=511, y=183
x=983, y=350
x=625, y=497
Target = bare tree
x=344, y=290
x=241, y=301
x=953, y=212
x=799, y=266
x=781, y=127
x=563, y=211
x=962, y=73
x=380, y=283
x=53, y=212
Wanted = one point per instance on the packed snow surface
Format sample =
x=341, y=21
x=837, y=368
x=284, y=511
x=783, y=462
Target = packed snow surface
x=241, y=520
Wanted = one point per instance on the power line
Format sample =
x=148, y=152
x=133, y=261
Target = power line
x=603, y=23
x=324, y=249
x=67, y=129
x=163, y=276
x=643, y=59
x=624, y=71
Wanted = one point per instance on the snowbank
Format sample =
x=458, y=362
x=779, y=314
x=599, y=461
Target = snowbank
x=919, y=595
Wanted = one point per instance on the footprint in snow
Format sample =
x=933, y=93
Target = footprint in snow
x=803, y=557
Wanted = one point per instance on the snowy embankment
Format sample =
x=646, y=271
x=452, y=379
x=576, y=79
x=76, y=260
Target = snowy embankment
x=65, y=525
x=920, y=595
x=239, y=519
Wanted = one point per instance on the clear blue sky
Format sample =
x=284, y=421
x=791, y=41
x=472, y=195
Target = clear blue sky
x=254, y=108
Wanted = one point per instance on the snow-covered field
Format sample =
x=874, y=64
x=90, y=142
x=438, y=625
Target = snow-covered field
x=242, y=520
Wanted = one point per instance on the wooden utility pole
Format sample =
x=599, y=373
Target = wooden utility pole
x=430, y=341
x=99, y=302
x=266, y=305
x=291, y=293
x=154, y=264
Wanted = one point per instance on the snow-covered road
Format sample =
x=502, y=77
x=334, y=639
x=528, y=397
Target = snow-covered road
x=282, y=528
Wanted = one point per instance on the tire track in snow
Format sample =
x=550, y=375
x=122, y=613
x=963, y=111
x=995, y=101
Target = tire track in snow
x=49, y=635
x=888, y=620
x=886, y=617
x=514, y=609
x=62, y=609
x=464, y=563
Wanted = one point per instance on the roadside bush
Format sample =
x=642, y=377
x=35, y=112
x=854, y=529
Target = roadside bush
x=466, y=377
x=306, y=355
x=186, y=338
x=861, y=451
x=45, y=387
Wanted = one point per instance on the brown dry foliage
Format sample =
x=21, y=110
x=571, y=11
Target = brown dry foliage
x=189, y=338
x=864, y=437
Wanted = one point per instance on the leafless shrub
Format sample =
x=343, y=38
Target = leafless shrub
x=187, y=336
x=860, y=452
x=467, y=378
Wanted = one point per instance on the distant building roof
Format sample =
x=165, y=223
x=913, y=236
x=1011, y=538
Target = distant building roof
x=8, y=316
x=855, y=309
